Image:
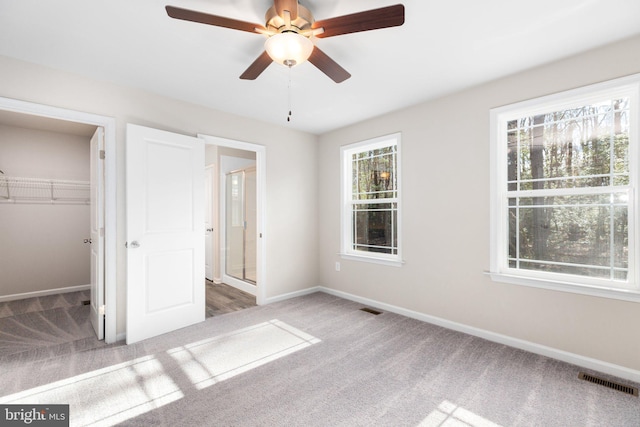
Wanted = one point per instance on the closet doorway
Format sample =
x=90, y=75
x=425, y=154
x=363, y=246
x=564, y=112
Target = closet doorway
x=26, y=189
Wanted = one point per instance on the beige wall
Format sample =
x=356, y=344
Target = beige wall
x=42, y=245
x=445, y=218
x=31, y=153
x=291, y=204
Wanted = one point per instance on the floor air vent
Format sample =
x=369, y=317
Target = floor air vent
x=616, y=386
x=86, y=302
x=371, y=310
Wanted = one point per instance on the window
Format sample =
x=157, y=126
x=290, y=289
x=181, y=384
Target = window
x=371, y=200
x=564, y=178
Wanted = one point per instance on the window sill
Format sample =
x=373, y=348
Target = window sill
x=596, y=291
x=373, y=260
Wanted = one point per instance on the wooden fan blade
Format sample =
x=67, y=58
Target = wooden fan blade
x=290, y=5
x=328, y=66
x=385, y=17
x=205, y=18
x=258, y=66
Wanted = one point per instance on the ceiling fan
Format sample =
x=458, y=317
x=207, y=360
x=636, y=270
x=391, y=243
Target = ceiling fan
x=290, y=28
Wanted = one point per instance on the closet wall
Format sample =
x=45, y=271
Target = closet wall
x=42, y=244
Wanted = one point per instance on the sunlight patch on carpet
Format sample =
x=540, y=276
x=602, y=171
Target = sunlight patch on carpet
x=115, y=394
x=110, y=395
x=451, y=415
x=210, y=361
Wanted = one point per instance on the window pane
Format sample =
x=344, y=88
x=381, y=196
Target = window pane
x=621, y=237
x=513, y=227
x=375, y=228
x=374, y=174
x=512, y=160
x=581, y=147
x=586, y=235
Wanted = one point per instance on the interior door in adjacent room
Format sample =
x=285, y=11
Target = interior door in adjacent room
x=165, y=232
x=97, y=231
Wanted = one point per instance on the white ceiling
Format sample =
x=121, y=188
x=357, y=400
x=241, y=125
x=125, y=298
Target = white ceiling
x=444, y=46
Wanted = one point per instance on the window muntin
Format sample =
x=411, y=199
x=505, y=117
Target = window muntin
x=565, y=193
x=371, y=199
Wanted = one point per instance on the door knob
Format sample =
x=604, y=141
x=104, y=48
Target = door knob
x=134, y=244
x=87, y=240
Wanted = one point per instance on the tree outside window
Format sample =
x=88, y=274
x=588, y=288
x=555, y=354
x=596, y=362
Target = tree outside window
x=371, y=199
x=563, y=185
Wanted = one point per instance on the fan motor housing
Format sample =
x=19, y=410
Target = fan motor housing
x=277, y=23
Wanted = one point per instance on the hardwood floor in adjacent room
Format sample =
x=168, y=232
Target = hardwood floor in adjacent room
x=223, y=299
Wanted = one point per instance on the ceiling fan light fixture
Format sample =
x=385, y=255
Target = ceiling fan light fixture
x=290, y=27
x=289, y=48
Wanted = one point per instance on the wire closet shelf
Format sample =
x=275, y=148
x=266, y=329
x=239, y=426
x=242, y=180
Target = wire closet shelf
x=38, y=190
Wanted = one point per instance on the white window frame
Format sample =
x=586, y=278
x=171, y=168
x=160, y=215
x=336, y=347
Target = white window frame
x=499, y=267
x=346, y=228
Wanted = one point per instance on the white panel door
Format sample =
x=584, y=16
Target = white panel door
x=97, y=232
x=165, y=232
x=208, y=222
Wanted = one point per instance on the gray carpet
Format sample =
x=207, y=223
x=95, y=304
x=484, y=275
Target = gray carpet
x=322, y=363
x=30, y=305
x=43, y=327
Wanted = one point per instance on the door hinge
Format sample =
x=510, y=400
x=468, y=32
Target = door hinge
x=102, y=155
x=101, y=310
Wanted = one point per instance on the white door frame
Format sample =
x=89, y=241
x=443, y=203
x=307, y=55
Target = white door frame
x=109, y=126
x=261, y=163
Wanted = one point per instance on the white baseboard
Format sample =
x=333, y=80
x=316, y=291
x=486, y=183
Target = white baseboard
x=44, y=293
x=565, y=356
x=293, y=294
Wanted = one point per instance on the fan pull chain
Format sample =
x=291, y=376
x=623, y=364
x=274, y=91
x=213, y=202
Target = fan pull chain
x=289, y=95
